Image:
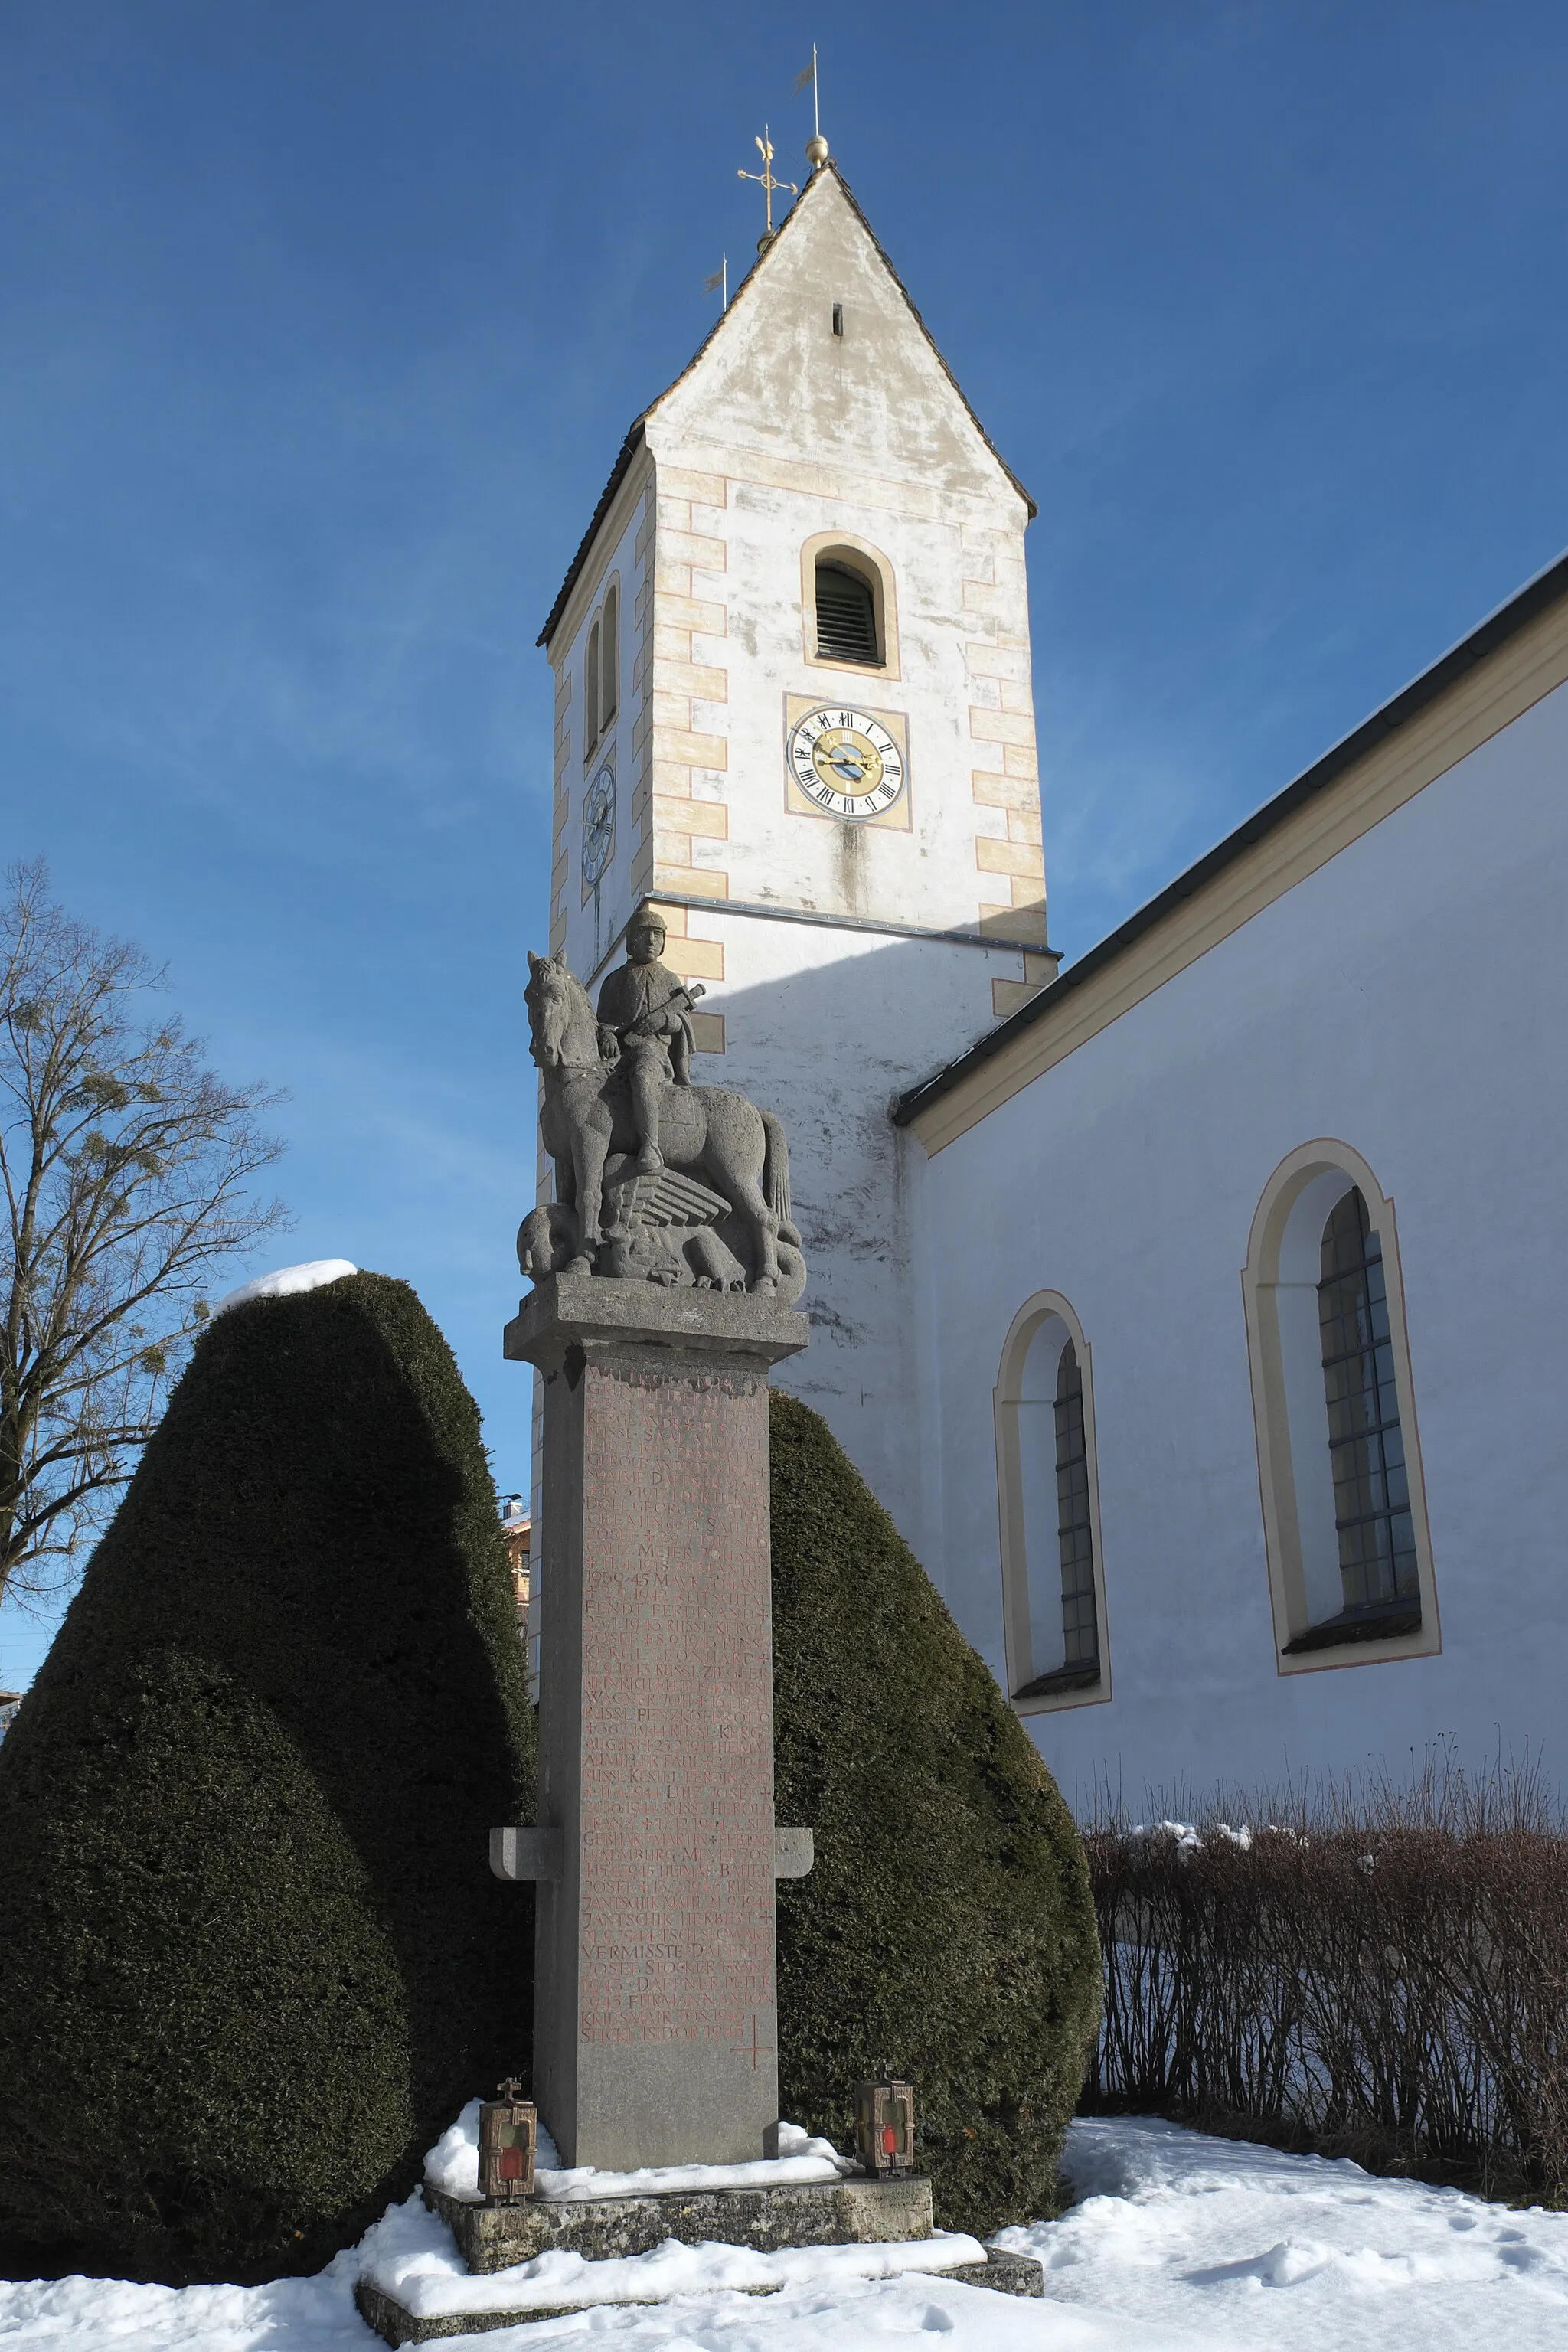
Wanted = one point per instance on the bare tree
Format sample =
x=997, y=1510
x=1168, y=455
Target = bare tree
x=127, y=1165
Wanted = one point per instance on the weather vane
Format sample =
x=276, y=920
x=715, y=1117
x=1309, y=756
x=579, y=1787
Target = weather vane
x=766, y=182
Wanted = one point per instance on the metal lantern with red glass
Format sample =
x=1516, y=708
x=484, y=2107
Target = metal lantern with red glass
x=508, y=2140
x=885, y=2128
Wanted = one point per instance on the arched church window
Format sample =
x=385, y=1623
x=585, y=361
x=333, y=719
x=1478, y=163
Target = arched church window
x=845, y=615
x=1350, y=1559
x=1366, y=1449
x=610, y=654
x=591, y=694
x=1053, y=1589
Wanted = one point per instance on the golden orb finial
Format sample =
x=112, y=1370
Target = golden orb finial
x=816, y=152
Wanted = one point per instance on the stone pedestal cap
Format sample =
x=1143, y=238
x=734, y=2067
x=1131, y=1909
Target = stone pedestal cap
x=591, y=1311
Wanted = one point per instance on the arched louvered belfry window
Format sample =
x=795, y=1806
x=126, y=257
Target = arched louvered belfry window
x=1373, y=1521
x=845, y=615
x=610, y=654
x=591, y=693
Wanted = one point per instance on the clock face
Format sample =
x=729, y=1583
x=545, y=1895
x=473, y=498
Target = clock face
x=599, y=823
x=845, y=763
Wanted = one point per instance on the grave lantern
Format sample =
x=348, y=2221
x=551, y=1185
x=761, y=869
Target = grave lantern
x=885, y=2128
x=509, y=2138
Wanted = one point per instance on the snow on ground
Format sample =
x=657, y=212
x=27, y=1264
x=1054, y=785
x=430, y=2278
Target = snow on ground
x=415, y=2261
x=453, y=2166
x=1181, y=2244
x=287, y=1281
x=1235, y=2245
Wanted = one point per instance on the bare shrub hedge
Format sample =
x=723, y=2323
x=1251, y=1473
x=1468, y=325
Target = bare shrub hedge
x=1384, y=1977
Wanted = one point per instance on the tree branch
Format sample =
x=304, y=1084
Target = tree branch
x=126, y=1165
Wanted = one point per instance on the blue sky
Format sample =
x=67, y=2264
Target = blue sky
x=323, y=320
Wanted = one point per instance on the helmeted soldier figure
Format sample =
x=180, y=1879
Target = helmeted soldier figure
x=645, y=1008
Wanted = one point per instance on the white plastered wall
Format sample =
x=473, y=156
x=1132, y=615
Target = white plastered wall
x=827, y=1028
x=1410, y=997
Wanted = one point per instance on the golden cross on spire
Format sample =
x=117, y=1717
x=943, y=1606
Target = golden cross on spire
x=766, y=182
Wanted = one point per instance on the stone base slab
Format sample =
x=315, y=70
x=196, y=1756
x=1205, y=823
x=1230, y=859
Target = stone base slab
x=855, y=2211
x=397, y=2325
x=1008, y=2273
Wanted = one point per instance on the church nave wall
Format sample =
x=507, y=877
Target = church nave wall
x=1408, y=998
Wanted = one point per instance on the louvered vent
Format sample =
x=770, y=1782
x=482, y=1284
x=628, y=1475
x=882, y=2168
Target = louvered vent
x=845, y=615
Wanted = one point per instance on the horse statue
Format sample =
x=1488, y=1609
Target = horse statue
x=726, y=1162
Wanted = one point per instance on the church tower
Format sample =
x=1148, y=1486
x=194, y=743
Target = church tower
x=792, y=712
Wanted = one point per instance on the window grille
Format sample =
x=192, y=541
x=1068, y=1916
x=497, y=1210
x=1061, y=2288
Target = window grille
x=591, y=694
x=1372, y=1494
x=1053, y=1589
x=610, y=655
x=1075, y=1533
x=845, y=615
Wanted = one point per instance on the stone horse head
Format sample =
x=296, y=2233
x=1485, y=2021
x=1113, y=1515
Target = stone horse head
x=563, y=1033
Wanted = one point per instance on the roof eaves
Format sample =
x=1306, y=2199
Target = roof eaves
x=628, y=450
x=1548, y=588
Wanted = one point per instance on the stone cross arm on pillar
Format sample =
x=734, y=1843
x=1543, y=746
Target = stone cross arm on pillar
x=794, y=1850
x=521, y=1856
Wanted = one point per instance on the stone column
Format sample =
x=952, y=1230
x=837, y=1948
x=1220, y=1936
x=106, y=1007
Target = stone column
x=655, y=2017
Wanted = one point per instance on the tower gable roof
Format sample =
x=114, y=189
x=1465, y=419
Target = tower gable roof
x=729, y=341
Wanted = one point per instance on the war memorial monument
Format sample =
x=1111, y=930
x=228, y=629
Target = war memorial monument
x=665, y=1274
x=656, y=2040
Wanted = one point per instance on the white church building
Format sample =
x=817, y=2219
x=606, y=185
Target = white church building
x=1199, y=1311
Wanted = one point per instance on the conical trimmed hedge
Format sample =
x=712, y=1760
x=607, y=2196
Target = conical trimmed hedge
x=252, y=1960
x=946, y=1928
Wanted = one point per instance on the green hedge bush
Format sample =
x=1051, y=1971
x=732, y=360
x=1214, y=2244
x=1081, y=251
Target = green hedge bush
x=947, y=1928
x=252, y=1960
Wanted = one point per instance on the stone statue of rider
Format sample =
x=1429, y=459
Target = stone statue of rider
x=644, y=1010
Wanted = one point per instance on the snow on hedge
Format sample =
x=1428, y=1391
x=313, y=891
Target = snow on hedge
x=287, y=1281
